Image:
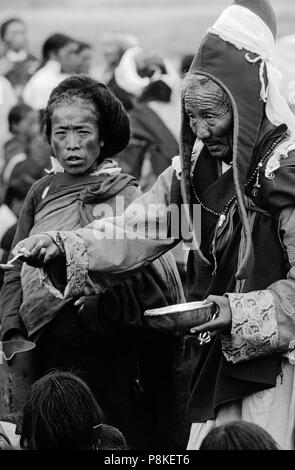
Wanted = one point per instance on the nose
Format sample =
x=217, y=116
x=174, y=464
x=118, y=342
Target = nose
x=72, y=141
x=201, y=129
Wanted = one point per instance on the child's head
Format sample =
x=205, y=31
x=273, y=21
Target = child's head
x=24, y=121
x=60, y=414
x=238, y=435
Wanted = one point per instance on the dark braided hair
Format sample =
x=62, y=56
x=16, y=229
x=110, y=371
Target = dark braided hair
x=112, y=119
x=238, y=435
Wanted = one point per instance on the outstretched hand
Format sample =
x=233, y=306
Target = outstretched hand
x=222, y=323
x=37, y=250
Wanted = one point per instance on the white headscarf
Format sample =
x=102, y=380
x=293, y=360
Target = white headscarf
x=246, y=30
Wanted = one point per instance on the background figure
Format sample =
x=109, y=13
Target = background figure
x=17, y=63
x=24, y=124
x=61, y=414
x=60, y=58
x=9, y=213
x=114, y=45
x=26, y=154
x=85, y=53
x=7, y=100
x=238, y=435
x=154, y=124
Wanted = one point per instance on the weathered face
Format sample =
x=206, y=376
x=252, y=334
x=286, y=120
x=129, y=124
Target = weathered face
x=75, y=137
x=210, y=114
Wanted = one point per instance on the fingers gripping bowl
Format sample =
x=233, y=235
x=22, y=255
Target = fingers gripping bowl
x=179, y=318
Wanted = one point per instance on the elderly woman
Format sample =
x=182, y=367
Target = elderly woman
x=237, y=149
x=98, y=334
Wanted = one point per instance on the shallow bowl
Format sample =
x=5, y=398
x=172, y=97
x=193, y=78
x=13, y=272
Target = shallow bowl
x=179, y=318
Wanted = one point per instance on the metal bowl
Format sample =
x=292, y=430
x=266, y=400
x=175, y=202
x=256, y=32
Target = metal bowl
x=179, y=318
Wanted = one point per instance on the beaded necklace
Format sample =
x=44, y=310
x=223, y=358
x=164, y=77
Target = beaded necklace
x=222, y=215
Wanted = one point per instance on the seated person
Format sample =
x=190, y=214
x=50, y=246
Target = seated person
x=16, y=63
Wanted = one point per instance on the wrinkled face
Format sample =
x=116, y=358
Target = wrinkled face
x=69, y=58
x=210, y=114
x=75, y=137
x=16, y=36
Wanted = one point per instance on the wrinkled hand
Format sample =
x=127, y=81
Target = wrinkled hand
x=37, y=250
x=222, y=323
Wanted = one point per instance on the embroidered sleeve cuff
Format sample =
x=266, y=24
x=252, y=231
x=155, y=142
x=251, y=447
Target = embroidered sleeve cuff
x=75, y=251
x=254, y=331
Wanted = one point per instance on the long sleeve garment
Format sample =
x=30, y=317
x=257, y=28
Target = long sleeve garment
x=11, y=296
x=270, y=314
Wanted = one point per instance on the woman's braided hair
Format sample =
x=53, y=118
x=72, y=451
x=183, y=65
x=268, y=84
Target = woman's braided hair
x=112, y=119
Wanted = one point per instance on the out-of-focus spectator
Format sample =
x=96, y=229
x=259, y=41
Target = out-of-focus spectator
x=17, y=64
x=33, y=167
x=85, y=53
x=24, y=125
x=185, y=64
x=9, y=213
x=128, y=82
x=155, y=126
x=154, y=120
x=20, y=151
x=113, y=47
x=18, y=176
x=61, y=58
x=7, y=100
x=238, y=435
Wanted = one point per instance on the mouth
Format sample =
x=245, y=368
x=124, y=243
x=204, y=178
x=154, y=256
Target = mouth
x=213, y=147
x=74, y=159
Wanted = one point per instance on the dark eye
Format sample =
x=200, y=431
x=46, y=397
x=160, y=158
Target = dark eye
x=83, y=132
x=210, y=119
x=191, y=116
x=61, y=133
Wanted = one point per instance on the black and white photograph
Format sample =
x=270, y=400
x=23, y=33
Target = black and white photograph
x=147, y=228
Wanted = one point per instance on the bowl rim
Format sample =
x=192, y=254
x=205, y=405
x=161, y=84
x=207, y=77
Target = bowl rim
x=177, y=308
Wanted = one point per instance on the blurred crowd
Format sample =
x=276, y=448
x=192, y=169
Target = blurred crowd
x=60, y=411
x=146, y=83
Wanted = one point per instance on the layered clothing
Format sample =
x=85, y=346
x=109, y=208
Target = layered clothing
x=247, y=232
x=107, y=342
